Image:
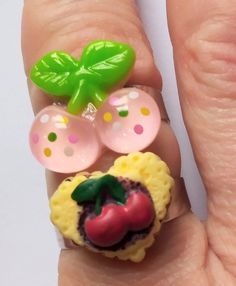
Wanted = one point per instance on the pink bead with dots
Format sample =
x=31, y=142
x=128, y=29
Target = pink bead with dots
x=128, y=121
x=62, y=142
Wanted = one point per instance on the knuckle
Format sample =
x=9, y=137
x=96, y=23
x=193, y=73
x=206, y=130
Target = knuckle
x=71, y=27
x=75, y=35
x=210, y=56
x=89, y=27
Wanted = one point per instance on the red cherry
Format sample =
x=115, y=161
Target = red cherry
x=109, y=227
x=139, y=211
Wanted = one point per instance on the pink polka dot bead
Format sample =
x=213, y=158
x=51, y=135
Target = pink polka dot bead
x=128, y=121
x=62, y=142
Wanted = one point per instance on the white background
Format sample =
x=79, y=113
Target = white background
x=28, y=248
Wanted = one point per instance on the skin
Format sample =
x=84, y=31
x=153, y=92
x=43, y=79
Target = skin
x=187, y=252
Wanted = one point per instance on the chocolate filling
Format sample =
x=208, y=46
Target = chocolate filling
x=131, y=237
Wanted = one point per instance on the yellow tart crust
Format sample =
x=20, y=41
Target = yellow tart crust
x=146, y=168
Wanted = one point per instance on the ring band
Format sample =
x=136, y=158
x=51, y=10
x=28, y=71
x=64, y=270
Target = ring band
x=180, y=203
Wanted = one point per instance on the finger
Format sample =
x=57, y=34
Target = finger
x=164, y=264
x=69, y=26
x=203, y=36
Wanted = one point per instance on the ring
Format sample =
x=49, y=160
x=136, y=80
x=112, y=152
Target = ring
x=117, y=212
x=179, y=206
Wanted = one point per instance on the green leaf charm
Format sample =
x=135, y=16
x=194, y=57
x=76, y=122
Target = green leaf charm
x=54, y=73
x=103, y=66
x=108, y=63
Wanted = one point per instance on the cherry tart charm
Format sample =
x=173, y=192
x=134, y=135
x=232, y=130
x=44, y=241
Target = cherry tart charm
x=117, y=213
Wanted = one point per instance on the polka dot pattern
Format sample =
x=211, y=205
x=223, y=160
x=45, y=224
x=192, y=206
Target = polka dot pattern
x=135, y=120
x=68, y=151
x=65, y=120
x=113, y=100
x=61, y=122
x=116, y=126
x=35, y=138
x=44, y=118
x=133, y=95
x=66, y=143
x=47, y=152
x=52, y=137
x=145, y=111
x=107, y=117
x=123, y=113
x=138, y=129
x=73, y=138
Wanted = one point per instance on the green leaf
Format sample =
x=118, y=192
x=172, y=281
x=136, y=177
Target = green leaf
x=90, y=190
x=54, y=73
x=86, y=191
x=114, y=187
x=104, y=65
x=107, y=63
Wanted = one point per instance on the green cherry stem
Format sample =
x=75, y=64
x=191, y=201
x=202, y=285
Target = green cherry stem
x=83, y=94
x=114, y=187
x=97, y=96
x=93, y=190
x=78, y=100
x=98, y=205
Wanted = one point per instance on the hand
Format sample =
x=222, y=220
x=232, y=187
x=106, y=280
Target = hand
x=187, y=252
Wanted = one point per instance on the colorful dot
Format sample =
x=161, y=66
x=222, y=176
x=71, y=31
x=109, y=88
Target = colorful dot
x=116, y=126
x=107, y=117
x=133, y=95
x=61, y=122
x=68, y=151
x=112, y=100
x=73, y=138
x=138, y=129
x=52, y=137
x=44, y=118
x=65, y=120
x=123, y=113
x=35, y=138
x=47, y=152
x=60, y=126
x=145, y=111
x=122, y=101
